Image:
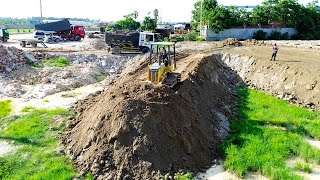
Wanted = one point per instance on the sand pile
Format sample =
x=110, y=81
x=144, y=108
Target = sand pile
x=138, y=130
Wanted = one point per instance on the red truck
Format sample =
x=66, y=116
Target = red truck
x=63, y=29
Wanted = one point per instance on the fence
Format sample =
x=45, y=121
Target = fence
x=244, y=33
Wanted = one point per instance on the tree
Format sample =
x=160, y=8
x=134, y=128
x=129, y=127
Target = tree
x=239, y=17
x=148, y=23
x=128, y=23
x=217, y=17
x=156, y=15
x=135, y=14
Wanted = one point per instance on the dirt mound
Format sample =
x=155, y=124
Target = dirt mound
x=94, y=44
x=231, y=42
x=138, y=130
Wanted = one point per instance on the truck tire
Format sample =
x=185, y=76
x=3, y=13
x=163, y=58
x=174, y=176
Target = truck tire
x=57, y=40
x=5, y=39
x=78, y=38
x=145, y=50
x=23, y=44
x=116, y=50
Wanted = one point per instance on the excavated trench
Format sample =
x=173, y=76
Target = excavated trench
x=136, y=130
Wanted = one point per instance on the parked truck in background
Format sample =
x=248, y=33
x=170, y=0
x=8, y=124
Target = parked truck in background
x=134, y=41
x=4, y=35
x=63, y=29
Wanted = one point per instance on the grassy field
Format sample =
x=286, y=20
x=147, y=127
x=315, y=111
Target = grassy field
x=20, y=31
x=5, y=108
x=35, y=136
x=268, y=132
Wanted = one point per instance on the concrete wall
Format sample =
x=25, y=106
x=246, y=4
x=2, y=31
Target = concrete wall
x=244, y=33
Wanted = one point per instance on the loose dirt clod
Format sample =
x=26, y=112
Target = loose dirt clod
x=138, y=130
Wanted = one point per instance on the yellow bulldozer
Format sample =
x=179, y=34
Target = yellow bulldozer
x=162, y=64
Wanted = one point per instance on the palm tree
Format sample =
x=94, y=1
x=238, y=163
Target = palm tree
x=135, y=14
x=156, y=15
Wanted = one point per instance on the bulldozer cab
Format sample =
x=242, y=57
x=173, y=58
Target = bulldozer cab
x=162, y=63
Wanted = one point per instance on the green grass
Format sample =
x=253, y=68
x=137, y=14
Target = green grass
x=99, y=76
x=266, y=133
x=70, y=95
x=187, y=176
x=20, y=31
x=299, y=166
x=36, y=158
x=28, y=109
x=35, y=64
x=5, y=108
x=61, y=62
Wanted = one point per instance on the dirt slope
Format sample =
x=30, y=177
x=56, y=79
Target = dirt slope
x=294, y=76
x=136, y=130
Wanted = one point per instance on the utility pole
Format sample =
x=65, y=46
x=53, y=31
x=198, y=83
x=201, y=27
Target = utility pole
x=41, y=9
x=201, y=19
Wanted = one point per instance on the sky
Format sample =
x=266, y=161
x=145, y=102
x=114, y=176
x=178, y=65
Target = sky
x=109, y=10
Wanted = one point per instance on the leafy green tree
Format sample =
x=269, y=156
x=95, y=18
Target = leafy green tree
x=128, y=23
x=217, y=17
x=239, y=16
x=148, y=23
x=220, y=19
x=196, y=16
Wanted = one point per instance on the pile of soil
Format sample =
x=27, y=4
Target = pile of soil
x=137, y=130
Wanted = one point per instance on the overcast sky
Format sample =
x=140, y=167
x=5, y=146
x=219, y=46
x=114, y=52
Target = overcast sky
x=108, y=10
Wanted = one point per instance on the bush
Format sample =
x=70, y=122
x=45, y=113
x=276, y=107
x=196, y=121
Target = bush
x=192, y=36
x=260, y=35
x=201, y=39
x=275, y=35
x=178, y=38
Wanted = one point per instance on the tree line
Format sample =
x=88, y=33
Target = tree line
x=305, y=18
x=129, y=22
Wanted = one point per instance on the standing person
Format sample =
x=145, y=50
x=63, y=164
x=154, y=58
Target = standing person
x=275, y=51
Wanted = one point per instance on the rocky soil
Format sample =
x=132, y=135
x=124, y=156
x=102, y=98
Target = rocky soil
x=12, y=58
x=33, y=82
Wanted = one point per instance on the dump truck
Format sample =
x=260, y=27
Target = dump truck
x=63, y=29
x=133, y=41
x=4, y=35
